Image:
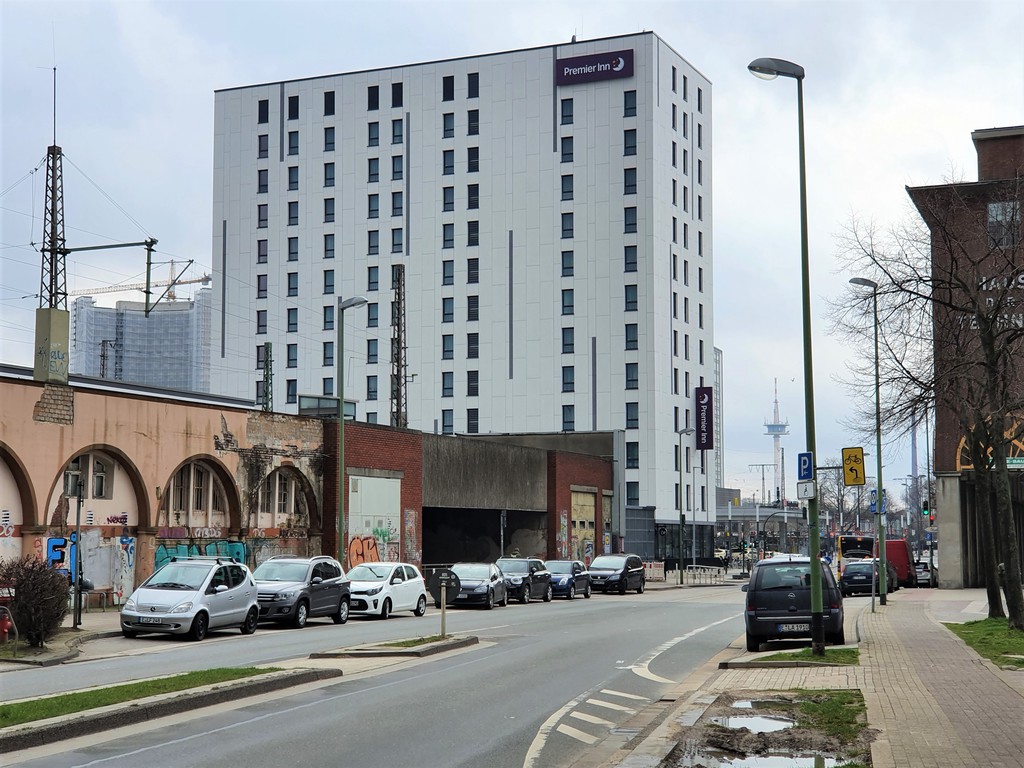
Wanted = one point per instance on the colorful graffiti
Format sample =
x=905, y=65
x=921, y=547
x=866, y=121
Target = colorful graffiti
x=562, y=538
x=164, y=552
x=361, y=549
x=412, y=551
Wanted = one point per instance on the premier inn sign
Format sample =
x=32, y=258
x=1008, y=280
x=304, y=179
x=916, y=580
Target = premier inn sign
x=594, y=67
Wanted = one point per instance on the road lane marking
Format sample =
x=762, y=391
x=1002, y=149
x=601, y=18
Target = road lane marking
x=610, y=705
x=592, y=719
x=577, y=734
x=642, y=669
x=542, y=733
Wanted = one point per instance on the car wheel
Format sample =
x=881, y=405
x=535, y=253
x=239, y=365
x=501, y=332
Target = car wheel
x=642, y=587
x=199, y=626
x=622, y=587
x=504, y=599
x=572, y=592
x=342, y=615
x=548, y=594
x=421, y=606
x=128, y=633
x=251, y=620
x=385, y=610
x=489, y=605
x=525, y=597
x=753, y=643
x=587, y=591
x=301, y=614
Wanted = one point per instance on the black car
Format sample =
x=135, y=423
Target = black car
x=479, y=584
x=293, y=589
x=526, y=578
x=569, y=578
x=859, y=576
x=778, y=605
x=618, y=573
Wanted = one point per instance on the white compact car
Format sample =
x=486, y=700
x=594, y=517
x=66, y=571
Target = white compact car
x=191, y=595
x=380, y=589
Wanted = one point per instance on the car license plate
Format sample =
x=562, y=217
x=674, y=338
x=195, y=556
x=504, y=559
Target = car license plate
x=794, y=627
x=150, y=620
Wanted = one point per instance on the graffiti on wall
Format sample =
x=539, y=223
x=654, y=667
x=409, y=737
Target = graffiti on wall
x=412, y=551
x=562, y=537
x=165, y=551
x=361, y=549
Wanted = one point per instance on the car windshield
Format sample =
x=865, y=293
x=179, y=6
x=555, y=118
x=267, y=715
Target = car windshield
x=560, y=566
x=608, y=561
x=859, y=568
x=785, y=575
x=180, y=576
x=464, y=571
x=364, y=572
x=513, y=566
x=278, y=570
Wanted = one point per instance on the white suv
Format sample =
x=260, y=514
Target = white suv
x=191, y=595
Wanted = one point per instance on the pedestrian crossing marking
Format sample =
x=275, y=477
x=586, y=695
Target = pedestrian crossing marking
x=577, y=734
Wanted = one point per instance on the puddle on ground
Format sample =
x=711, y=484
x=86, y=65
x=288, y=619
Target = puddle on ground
x=750, y=704
x=747, y=704
x=722, y=760
x=755, y=723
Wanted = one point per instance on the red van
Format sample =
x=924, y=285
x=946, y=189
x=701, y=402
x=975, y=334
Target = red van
x=897, y=552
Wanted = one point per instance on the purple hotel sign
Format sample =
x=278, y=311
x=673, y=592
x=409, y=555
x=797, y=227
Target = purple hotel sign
x=705, y=419
x=593, y=67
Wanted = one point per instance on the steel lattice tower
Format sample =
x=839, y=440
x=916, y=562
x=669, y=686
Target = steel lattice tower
x=53, y=292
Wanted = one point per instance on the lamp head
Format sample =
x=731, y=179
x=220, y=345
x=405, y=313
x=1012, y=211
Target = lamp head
x=865, y=282
x=769, y=69
x=354, y=301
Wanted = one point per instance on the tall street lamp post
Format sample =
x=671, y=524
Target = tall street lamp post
x=880, y=496
x=343, y=304
x=682, y=497
x=769, y=69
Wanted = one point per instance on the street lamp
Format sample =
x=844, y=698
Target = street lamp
x=343, y=304
x=769, y=69
x=682, y=496
x=879, y=516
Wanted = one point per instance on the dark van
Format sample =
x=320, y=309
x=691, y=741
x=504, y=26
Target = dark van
x=779, y=602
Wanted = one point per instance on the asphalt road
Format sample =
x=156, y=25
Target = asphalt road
x=548, y=682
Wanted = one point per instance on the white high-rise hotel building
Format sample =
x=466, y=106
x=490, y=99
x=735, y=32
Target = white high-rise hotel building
x=552, y=209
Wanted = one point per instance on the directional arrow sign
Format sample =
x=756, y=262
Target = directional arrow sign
x=853, y=466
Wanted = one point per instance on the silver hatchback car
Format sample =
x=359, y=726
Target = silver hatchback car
x=192, y=595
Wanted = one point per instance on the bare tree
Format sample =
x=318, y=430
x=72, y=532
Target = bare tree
x=951, y=326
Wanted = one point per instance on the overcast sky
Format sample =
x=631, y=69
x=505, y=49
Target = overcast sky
x=892, y=92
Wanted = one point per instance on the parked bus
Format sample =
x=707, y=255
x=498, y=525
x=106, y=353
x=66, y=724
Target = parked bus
x=855, y=547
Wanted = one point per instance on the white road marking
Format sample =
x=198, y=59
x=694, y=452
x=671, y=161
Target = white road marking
x=592, y=719
x=542, y=733
x=577, y=734
x=642, y=669
x=610, y=705
x=633, y=696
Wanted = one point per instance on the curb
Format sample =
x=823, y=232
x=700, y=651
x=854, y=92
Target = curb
x=28, y=735
x=59, y=657
x=376, y=651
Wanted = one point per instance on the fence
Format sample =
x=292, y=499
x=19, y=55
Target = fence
x=654, y=570
x=705, y=574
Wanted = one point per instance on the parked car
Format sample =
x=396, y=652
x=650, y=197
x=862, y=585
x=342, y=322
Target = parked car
x=858, y=576
x=293, y=589
x=479, y=584
x=192, y=595
x=380, y=589
x=923, y=574
x=618, y=573
x=778, y=605
x=569, y=578
x=526, y=578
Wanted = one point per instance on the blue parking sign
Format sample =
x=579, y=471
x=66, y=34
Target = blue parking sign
x=805, y=466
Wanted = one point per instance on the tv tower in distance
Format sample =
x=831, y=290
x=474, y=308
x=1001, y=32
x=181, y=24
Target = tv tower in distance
x=777, y=429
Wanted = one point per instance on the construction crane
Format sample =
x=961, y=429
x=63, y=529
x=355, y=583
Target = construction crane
x=171, y=282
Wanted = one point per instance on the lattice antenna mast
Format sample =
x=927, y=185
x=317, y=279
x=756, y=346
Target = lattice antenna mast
x=53, y=293
x=399, y=396
x=267, y=401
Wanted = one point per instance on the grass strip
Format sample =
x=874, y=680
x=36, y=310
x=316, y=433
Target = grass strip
x=849, y=656
x=71, y=703
x=991, y=639
x=841, y=713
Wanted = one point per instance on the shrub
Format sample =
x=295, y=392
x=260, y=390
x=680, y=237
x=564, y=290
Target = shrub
x=36, y=595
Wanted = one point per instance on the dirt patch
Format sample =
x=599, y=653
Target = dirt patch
x=708, y=739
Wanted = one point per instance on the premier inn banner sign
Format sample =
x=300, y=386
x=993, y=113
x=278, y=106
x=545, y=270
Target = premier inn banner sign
x=593, y=67
x=705, y=419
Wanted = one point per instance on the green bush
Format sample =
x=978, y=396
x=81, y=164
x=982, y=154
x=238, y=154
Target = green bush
x=36, y=595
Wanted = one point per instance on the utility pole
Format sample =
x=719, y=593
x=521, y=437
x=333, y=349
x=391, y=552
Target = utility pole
x=762, y=467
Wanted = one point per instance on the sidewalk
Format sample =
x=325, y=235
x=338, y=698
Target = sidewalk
x=935, y=703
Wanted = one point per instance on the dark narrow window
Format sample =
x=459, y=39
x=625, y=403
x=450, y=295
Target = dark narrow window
x=372, y=98
x=263, y=111
x=373, y=134
x=472, y=308
x=568, y=266
x=329, y=138
x=473, y=118
x=473, y=233
x=629, y=104
x=567, y=149
x=629, y=181
x=566, y=111
x=293, y=142
x=448, y=125
x=396, y=95
x=473, y=196
x=263, y=146
x=567, y=186
x=472, y=271
x=473, y=85
x=262, y=177
x=293, y=107
x=448, y=88
x=472, y=159
x=328, y=103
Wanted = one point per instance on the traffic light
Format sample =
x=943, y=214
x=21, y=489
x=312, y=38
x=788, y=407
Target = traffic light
x=931, y=519
x=924, y=508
